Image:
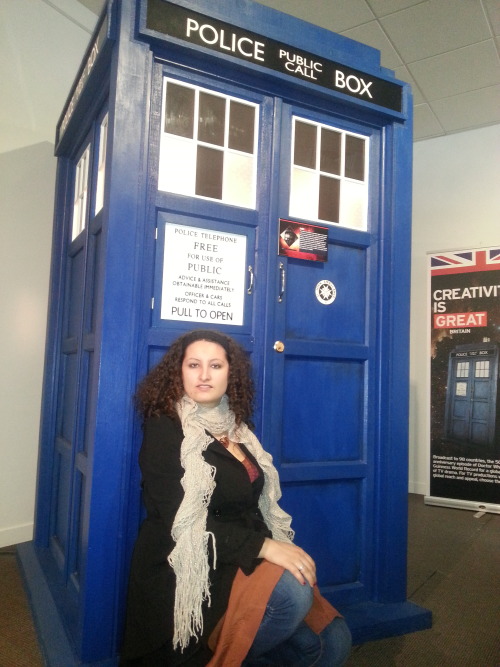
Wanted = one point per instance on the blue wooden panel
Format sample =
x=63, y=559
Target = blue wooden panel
x=80, y=534
x=62, y=493
x=479, y=433
x=345, y=319
x=481, y=390
x=460, y=408
x=96, y=243
x=69, y=382
x=333, y=510
x=75, y=551
x=323, y=410
x=88, y=391
x=459, y=429
x=75, y=289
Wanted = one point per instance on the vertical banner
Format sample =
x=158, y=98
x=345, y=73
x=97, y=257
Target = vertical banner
x=464, y=379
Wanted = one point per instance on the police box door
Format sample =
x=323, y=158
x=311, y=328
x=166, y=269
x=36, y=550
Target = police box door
x=320, y=399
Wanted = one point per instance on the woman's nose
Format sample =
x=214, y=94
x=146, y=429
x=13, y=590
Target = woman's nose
x=205, y=372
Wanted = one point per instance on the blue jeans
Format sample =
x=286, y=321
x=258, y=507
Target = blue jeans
x=284, y=639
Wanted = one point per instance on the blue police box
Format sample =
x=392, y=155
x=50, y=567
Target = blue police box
x=225, y=165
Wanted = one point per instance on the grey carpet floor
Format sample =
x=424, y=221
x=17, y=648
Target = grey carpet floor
x=18, y=641
x=453, y=569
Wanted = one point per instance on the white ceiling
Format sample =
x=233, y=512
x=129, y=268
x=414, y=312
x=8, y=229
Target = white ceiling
x=448, y=50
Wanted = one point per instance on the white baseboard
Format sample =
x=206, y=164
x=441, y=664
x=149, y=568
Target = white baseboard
x=16, y=534
x=420, y=488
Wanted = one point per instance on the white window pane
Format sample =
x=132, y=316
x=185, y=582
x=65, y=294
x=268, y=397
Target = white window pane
x=482, y=369
x=239, y=179
x=99, y=196
x=177, y=169
x=80, y=194
x=179, y=109
x=241, y=130
x=355, y=165
x=353, y=205
x=304, y=194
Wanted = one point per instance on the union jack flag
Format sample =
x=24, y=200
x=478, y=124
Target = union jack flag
x=467, y=261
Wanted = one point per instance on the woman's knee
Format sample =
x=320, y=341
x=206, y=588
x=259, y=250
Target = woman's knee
x=288, y=604
x=298, y=596
x=289, y=600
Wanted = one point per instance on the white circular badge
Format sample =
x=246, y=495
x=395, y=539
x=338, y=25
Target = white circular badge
x=325, y=292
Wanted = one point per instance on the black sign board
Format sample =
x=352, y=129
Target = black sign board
x=303, y=241
x=211, y=33
x=475, y=353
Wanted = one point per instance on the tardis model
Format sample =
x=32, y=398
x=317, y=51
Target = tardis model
x=471, y=396
x=223, y=165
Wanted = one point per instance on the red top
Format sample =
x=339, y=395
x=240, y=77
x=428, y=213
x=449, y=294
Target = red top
x=252, y=470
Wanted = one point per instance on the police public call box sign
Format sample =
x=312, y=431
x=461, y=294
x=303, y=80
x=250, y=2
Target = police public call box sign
x=190, y=26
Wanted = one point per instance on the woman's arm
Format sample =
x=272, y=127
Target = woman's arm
x=236, y=544
x=159, y=460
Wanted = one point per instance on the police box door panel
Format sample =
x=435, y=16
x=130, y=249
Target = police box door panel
x=322, y=358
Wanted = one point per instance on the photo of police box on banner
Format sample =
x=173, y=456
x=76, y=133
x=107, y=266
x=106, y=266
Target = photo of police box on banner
x=203, y=275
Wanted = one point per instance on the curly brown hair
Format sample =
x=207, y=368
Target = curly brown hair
x=162, y=388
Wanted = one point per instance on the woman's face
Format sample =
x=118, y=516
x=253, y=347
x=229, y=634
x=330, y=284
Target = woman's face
x=205, y=372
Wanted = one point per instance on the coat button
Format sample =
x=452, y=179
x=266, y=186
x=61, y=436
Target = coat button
x=217, y=513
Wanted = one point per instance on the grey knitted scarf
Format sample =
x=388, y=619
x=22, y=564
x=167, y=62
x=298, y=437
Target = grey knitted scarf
x=189, y=557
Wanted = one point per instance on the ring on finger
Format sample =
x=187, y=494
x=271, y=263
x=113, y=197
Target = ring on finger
x=300, y=568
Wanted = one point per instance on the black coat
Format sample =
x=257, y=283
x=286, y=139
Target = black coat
x=233, y=518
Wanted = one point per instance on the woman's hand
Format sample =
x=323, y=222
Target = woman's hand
x=292, y=558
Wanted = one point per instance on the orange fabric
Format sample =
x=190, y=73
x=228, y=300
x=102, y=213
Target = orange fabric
x=234, y=634
x=321, y=612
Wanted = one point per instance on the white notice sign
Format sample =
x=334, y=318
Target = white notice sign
x=203, y=275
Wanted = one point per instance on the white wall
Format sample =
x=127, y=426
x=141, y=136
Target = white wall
x=456, y=204
x=27, y=181
x=41, y=47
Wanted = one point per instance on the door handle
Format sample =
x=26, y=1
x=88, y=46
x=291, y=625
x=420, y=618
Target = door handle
x=282, y=282
x=250, y=284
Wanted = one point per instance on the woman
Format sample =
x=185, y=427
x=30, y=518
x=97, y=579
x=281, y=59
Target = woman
x=215, y=553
